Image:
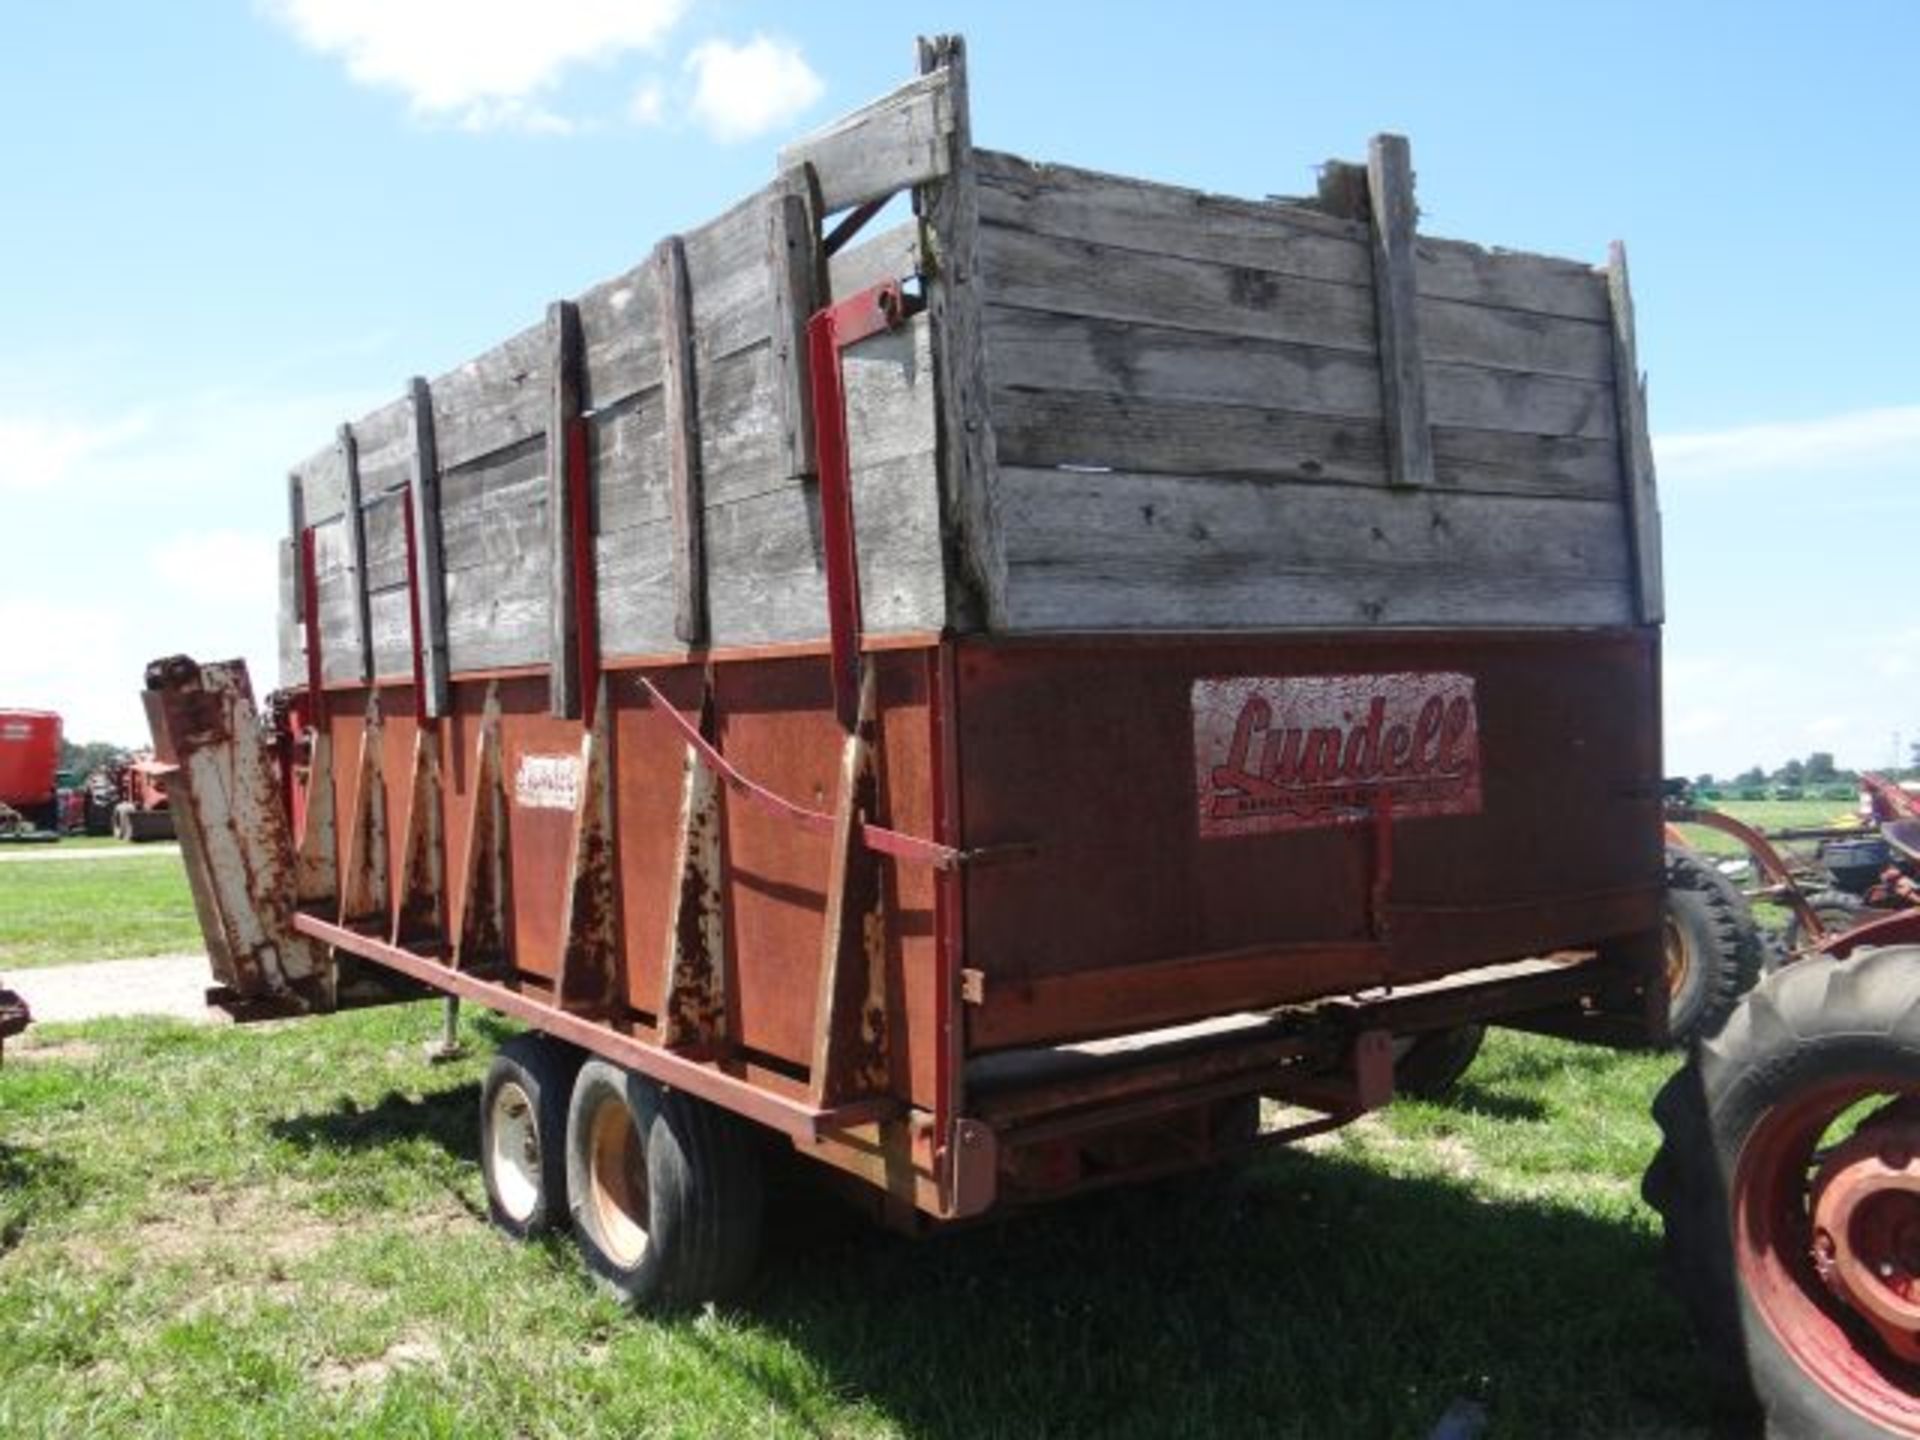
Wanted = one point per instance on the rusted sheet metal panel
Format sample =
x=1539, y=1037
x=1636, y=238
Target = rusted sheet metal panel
x=1088, y=750
x=775, y=722
x=234, y=835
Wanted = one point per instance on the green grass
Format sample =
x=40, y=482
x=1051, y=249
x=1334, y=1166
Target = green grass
x=278, y=1231
x=56, y=912
x=1768, y=815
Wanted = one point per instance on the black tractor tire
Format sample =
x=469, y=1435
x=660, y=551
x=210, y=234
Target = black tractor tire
x=99, y=816
x=1838, y=910
x=523, y=1134
x=1804, y=1032
x=147, y=825
x=1721, y=951
x=1428, y=1066
x=667, y=1193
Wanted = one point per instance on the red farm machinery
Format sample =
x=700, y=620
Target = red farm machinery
x=985, y=704
x=29, y=770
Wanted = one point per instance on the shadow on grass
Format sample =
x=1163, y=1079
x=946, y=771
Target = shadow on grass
x=1495, y=1101
x=35, y=1185
x=1306, y=1296
x=444, y=1117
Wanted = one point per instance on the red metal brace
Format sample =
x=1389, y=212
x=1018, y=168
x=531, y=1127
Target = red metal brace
x=829, y=331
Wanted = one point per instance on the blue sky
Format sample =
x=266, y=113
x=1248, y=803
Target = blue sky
x=228, y=227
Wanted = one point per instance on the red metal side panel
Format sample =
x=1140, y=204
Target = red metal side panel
x=29, y=756
x=776, y=723
x=1087, y=748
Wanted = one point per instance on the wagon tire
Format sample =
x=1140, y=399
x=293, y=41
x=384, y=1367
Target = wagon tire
x=1428, y=1066
x=1741, y=1126
x=1714, y=950
x=523, y=1134
x=666, y=1191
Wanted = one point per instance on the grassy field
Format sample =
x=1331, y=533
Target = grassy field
x=1768, y=815
x=54, y=912
x=280, y=1231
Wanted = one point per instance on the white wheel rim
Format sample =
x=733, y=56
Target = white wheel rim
x=513, y=1152
x=617, y=1184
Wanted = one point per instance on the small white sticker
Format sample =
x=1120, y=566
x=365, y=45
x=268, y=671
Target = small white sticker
x=548, y=782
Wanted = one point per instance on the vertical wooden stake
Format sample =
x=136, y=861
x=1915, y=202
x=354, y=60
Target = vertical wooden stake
x=356, y=519
x=969, y=468
x=1403, y=376
x=795, y=265
x=563, y=595
x=1636, y=444
x=680, y=402
x=429, y=573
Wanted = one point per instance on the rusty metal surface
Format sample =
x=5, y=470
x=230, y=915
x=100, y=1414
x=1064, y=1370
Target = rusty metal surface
x=420, y=907
x=588, y=977
x=234, y=835
x=754, y=1101
x=853, y=1025
x=1085, y=747
x=693, y=1004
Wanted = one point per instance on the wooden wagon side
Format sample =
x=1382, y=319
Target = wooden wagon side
x=657, y=676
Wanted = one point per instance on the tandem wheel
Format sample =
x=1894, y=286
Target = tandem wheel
x=666, y=1191
x=523, y=1129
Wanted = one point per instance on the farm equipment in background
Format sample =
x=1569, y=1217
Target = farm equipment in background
x=127, y=799
x=29, y=762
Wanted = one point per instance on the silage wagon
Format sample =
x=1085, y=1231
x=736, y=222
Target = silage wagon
x=980, y=703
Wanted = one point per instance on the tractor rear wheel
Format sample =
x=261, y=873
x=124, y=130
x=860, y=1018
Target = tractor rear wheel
x=1789, y=1181
x=666, y=1190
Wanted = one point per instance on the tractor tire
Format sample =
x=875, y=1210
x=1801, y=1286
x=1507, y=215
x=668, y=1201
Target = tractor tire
x=523, y=1134
x=1838, y=910
x=1428, y=1066
x=1744, y=1125
x=1715, y=951
x=146, y=825
x=666, y=1190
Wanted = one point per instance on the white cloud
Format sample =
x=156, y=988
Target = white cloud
x=476, y=62
x=745, y=90
x=213, y=566
x=39, y=454
x=648, y=105
x=1889, y=437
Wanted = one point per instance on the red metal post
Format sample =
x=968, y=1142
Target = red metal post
x=829, y=331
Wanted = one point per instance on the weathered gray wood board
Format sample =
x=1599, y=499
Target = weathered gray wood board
x=1125, y=405
x=1121, y=550
x=1222, y=359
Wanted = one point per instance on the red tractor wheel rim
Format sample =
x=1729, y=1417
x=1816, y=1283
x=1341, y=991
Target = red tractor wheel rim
x=1833, y=1298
